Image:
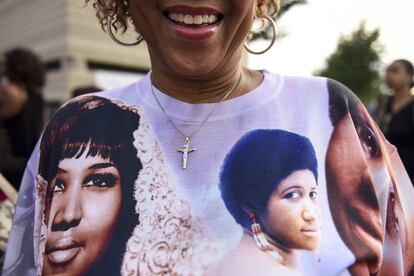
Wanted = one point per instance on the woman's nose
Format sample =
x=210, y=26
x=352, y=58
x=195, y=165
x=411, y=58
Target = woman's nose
x=70, y=212
x=310, y=212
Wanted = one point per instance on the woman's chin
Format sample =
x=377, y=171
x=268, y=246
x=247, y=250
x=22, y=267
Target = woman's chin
x=309, y=245
x=190, y=65
x=193, y=71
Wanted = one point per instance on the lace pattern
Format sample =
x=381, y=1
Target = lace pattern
x=168, y=241
x=40, y=228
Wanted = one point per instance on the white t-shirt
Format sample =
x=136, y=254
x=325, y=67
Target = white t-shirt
x=105, y=192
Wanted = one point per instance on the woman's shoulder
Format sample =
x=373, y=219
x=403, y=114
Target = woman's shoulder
x=338, y=93
x=125, y=93
x=340, y=96
x=310, y=84
x=315, y=89
x=308, y=89
x=324, y=83
x=299, y=80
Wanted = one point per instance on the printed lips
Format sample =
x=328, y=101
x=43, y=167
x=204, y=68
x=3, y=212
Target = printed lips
x=64, y=251
x=311, y=232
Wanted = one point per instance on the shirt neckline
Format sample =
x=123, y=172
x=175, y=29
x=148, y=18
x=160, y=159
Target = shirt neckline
x=196, y=113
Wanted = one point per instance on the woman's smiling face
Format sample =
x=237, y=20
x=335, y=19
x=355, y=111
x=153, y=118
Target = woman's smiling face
x=193, y=38
x=82, y=213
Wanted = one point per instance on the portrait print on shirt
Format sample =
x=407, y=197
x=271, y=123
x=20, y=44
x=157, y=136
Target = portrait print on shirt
x=368, y=195
x=311, y=190
x=89, y=170
x=269, y=183
x=99, y=170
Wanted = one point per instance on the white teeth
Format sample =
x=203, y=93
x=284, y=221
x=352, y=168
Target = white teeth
x=188, y=19
x=193, y=20
x=198, y=19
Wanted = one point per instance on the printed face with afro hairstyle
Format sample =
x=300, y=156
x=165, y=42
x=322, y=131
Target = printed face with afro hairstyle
x=273, y=173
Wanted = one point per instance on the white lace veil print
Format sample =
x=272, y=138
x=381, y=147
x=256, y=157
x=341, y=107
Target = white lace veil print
x=40, y=228
x=168, y=240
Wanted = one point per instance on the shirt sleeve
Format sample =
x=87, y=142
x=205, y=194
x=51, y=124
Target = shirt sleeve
x=370, y=194
x=20, y=254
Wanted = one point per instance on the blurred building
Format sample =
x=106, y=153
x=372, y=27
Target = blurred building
x=67, y=36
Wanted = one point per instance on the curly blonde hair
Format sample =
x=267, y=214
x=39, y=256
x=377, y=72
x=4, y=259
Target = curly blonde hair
x=118, y=11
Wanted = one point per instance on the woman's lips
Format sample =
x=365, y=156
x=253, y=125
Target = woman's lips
x=64, y=251
x=367, y=240
x=193, y=23
x=363, y=229
x=194, y=33
x=311, y=232
x=368, y=220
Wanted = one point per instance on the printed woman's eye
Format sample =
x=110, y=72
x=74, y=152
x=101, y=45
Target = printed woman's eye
x=368, y=140
x=313, y=195
x=293, y=195
x=59, y=186
x=100, y=180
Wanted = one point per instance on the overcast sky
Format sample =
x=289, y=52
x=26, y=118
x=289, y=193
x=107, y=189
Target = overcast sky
x=313, y=31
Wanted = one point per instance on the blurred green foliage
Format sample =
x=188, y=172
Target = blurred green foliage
x=356, y=63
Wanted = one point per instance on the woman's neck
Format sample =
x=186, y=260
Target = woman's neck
x=402, y=93
x=209, y=90
x=289, y=256
x=401, y=98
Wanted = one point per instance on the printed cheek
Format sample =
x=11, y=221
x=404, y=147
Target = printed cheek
x=102, y=200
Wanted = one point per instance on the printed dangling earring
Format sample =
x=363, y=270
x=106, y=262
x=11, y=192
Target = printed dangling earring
x=274, y=37
x=261, y=240
x=109, y=26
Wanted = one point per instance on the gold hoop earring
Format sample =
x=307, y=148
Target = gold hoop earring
x=116, y=40
x=274, y=37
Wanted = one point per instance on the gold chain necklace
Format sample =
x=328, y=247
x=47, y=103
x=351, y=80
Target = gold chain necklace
x=187, y=149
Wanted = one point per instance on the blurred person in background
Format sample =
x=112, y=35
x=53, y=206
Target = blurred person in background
x=397, y=112
x=22, y=77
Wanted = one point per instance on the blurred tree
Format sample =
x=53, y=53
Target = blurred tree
x=356, y=63
x=285, y=5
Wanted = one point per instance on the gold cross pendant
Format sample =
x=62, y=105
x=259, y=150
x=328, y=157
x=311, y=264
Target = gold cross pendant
x=185, y=150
